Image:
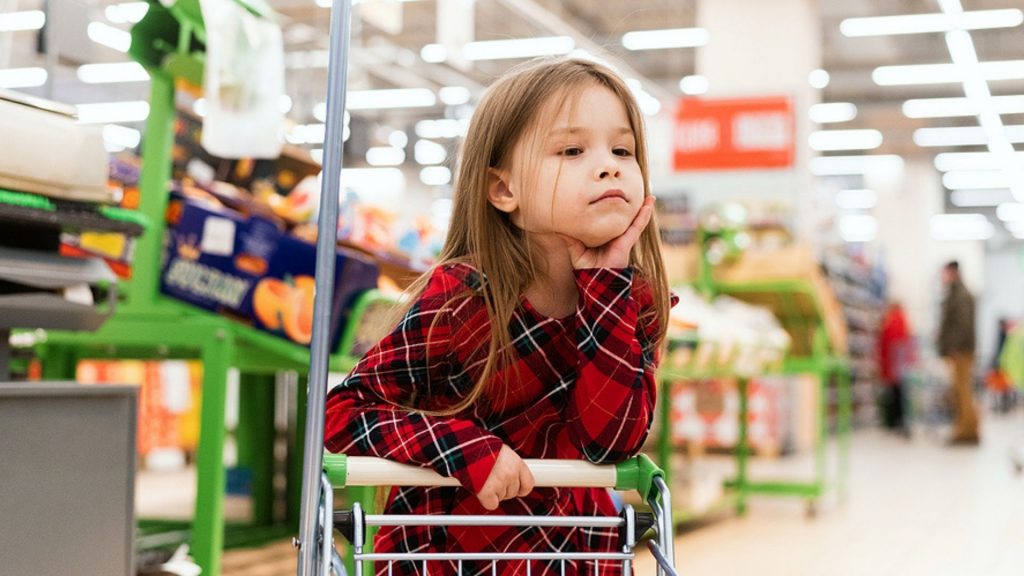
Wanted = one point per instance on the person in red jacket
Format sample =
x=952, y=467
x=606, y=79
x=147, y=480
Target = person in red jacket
x=536, y=334
x=895, y=355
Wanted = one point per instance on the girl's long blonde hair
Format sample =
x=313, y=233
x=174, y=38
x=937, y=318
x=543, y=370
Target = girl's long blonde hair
x=484, y=237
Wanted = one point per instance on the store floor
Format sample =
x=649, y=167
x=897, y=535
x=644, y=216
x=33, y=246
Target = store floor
x=916, y=508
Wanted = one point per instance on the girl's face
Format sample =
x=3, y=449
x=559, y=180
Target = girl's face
x=579, y=176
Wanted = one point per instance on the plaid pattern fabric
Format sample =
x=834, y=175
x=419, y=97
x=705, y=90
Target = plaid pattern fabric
x=583, y=387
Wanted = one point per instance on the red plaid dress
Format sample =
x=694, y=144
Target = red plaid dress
x=584, y=389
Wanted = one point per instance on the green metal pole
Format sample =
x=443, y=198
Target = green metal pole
x=741, y=449
x=845, y=428
x=820, y=463
x=665, y=430
x=255, y=436
x=208, y=526
x=156, y=172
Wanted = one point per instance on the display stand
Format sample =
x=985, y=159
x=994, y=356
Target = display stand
x=169, y=43
x=799, y=304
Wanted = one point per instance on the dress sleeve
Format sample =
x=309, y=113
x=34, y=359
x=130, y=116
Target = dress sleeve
x=368, y=414
x=611, y=406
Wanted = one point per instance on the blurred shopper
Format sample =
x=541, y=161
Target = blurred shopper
x=956, y=346
x=895, y=356
x=996, y=381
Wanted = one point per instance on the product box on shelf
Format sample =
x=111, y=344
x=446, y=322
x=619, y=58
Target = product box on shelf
x=282, y=301
x=246, y=267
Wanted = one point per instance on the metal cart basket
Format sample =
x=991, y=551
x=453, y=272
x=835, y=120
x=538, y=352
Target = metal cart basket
x=638, y=474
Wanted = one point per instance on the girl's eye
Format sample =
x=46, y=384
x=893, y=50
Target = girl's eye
x=571, y=151
x=622, y=152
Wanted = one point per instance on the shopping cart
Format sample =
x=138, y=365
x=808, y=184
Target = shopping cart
x=639, y=474
x=315, y=542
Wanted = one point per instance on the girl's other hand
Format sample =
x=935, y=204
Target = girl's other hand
x=614, y=254
x=510, y=478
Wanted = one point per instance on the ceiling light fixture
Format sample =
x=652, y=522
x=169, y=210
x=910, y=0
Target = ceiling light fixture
x=109, y=36
x=866, y=164
x=834, y=140
x=112, y=73
x=955, y=227
x=980, y=198
x=387, y=99
x=818, y=78
x=924, y=23
x=971, y=161
x=113, y=112
x=954, y=107
x=694, y=84
x=127, y=12
x=945, y=73
x=667, y=38
x=963, y=136
x=18, y=21
x=518, y=48
x=22, y=77
x=832, y=112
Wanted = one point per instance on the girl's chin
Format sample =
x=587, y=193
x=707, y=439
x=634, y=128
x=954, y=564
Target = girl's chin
x=597, y=238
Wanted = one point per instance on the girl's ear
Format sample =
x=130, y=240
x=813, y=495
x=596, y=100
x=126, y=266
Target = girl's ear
x=498, y=192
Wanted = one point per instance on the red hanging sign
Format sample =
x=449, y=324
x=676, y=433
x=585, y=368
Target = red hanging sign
x=734, y=134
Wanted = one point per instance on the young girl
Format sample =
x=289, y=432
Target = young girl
x=535, y=335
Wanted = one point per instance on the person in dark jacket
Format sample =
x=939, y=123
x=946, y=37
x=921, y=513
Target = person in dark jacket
x=956, y=346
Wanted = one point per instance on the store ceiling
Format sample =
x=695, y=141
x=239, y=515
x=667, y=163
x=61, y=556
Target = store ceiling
x=389, y=35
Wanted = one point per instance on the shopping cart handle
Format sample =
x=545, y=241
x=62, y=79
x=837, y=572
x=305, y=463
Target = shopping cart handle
x=634, y=474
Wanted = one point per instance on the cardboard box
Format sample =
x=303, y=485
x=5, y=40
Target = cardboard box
x=248, y=268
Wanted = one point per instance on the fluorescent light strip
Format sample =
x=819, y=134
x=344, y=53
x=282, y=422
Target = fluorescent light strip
x=924, y=23
x=819, y=78
x=963, y=136
x=954, y=107
x=1010, y=212
x=979, y=198
x=519, y=48
x=954, y=227
x=112, y=73
x=19, y=21
x=428, y=153
x=972, y=161
x=109, y=36
x=975, y=180
x=833, y=140
x=388, y=99
x=443, y=128
x=120, y=137
x=668, y=38
x=945, y=73
x=867, y=164
x=831, y=112
x=454, y=95
x=694, y=84
x=385, y=156
x=112, y=112
x=126, y=13
x=22, y=77
x=435, y=175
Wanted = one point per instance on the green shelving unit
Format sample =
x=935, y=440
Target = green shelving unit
x=797, y=305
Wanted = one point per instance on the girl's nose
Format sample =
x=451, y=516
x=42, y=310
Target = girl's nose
x=608, y=168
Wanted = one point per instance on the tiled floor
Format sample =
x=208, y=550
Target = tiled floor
x=916, y=508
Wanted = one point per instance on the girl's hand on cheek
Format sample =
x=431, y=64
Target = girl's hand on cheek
x=614, y=254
